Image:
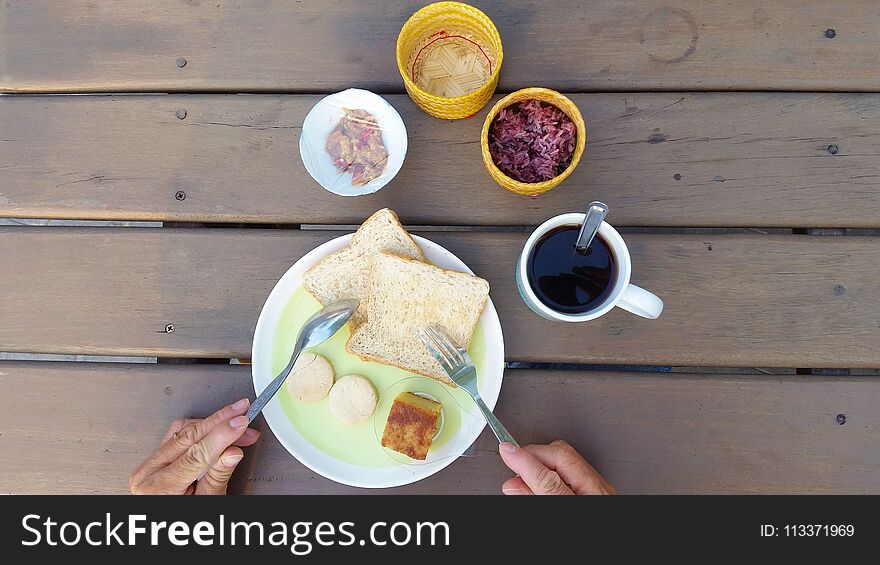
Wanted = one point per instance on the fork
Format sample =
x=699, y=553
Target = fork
x=457, y=363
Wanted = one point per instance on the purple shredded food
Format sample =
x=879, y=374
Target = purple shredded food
x=532, y=141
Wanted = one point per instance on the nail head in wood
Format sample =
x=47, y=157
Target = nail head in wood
x=830, y=33
x=180, y=195
x=181, y=62
x=181, y=114
x=169, y=329
x=841, y=419
x=833, y=149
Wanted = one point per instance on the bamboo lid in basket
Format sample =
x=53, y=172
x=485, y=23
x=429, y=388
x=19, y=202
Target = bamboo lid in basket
x=450, y=66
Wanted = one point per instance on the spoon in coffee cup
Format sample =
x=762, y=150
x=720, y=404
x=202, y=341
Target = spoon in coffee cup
x=596, y=213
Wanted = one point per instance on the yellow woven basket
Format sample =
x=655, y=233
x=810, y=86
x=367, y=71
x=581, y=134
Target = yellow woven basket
x=460, y=28
x=550, y=97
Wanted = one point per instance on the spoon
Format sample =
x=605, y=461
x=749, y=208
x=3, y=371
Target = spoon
x=317, y=329
x=596, y=212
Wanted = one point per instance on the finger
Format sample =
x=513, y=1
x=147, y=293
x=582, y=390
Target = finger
x=248, y=438
x=198, y=458
x=574, y=470
x=154, y=484
x=535, y=474
x=516, y=486
x=175, y=427
x=193, y=432
x=155, y=460
x=216, y=480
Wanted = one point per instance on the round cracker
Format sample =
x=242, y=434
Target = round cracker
x=311, y=378
x=353, y=399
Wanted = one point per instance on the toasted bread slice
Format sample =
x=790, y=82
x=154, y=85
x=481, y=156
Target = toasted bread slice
x=344, y=274
x=407, y=295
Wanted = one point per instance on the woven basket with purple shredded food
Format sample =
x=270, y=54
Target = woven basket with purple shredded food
x=532, y=141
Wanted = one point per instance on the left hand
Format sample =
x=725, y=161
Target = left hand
x=197, y=456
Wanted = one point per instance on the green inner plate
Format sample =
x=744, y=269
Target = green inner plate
x=359, y=444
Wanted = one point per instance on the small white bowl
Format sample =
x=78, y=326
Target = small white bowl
x=323, y=118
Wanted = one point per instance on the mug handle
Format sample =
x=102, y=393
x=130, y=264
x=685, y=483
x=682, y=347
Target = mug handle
x=640, y=302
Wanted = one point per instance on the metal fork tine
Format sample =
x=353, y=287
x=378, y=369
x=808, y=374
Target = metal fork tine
x=431, y=349
x=448, y=352
x=457, y=352
x=444, y=334
x=448, y=348
x=433, y=338
x=444, y=350
x=429, y=344
x=427, y=340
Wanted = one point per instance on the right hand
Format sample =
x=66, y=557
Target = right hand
x=550, y=469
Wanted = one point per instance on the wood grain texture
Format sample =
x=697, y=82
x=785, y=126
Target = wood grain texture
x=82, y=427
x=260, y=45
x=656, y=159
x=731, y=300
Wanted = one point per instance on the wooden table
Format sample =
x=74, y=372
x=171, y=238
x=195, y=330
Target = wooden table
x=736, y=143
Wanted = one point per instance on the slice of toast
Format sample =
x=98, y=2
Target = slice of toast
x=407, y=295
x=344, y=274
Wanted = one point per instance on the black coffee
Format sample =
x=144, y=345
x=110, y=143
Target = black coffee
x=568, y=281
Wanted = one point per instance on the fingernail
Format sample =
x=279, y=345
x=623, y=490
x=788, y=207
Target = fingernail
x=231, y=460
x=239, y=422
x=513, y=491
x=507, y=447
x=241, y=404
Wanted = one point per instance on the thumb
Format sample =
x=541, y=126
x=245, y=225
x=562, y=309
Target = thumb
x=537, y=476
x=217, y=478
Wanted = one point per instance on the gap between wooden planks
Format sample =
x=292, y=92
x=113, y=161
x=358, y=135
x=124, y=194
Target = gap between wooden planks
x=315, y=46
x=82, y=427
x=672, y=159
x=731, y=300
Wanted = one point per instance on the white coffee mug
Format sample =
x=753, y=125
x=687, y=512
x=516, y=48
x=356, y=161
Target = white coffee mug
x=628, y=296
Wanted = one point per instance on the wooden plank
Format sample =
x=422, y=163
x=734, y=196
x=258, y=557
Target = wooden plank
x=80, y=46
x=731, y=300
x=657, y=160
x=82, y=427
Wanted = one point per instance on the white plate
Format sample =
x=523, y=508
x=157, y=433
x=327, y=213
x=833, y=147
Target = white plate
x=323, y=118
x=317, y=459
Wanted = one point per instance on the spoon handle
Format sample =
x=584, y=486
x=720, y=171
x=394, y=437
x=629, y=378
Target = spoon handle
x=596, y=212
x=270, y=390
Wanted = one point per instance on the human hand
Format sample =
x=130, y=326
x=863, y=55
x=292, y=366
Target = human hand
x=197, y=456
x=550, y=469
